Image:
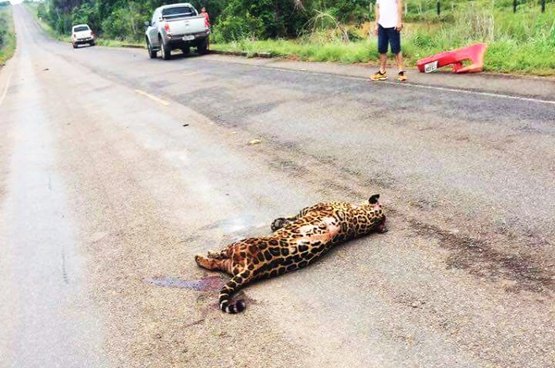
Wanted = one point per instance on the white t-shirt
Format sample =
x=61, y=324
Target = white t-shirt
x=388, y=13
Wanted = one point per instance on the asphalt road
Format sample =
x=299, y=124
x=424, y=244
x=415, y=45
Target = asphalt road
x=115, y=170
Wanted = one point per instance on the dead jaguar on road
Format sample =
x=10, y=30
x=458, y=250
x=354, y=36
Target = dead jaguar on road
x=295, y=242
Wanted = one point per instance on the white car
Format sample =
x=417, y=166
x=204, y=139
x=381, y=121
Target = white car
x=80, y=34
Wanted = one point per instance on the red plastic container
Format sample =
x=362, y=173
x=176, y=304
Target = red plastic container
x=475, y=53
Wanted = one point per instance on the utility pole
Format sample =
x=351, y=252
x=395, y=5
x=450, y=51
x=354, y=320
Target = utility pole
x=514, y=6
x=543, y=6
x=438, y=5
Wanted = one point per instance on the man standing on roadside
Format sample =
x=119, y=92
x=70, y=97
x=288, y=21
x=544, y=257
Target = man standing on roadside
x=389, y=23
x=204, y=13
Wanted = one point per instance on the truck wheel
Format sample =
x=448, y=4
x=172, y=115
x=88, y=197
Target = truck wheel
x=151, y=53
x=202, y=47
x=166, y=51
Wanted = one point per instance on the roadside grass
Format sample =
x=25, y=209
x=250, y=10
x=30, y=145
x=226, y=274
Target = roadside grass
x=7, y=46
x=521, y=43
x=352, y=52
x=118, y=43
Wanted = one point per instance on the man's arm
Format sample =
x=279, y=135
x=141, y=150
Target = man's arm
x=399, y=15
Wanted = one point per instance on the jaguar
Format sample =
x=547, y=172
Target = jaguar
x=295, y=242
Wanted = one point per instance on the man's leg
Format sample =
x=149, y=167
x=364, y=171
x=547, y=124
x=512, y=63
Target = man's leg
x=399, y=58
x=395, y=39
x=383, y=41
x=383, y=62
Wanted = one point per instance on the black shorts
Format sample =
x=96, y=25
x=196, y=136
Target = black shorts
x=389, y=36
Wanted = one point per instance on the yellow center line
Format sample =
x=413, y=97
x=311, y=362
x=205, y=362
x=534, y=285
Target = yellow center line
x=154, y=98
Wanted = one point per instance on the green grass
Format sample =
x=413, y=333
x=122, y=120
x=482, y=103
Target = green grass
x=7, y=48
x=118, y=43
x=352, y=52
x=503, y=56
x=521, y=43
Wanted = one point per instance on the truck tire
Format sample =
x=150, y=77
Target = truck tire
x=152, y=54
x=166, y=51
x=202, y=46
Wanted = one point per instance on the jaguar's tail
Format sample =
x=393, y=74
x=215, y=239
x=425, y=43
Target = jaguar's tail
x=232, y=286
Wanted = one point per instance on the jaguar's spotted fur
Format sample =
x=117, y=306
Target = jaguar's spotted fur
x=296, y=241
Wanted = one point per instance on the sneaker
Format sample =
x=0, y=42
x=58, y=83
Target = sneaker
x=402, y=77
x=379, y=76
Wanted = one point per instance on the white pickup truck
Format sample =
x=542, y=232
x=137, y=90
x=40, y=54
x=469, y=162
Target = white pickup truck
x=176, y=26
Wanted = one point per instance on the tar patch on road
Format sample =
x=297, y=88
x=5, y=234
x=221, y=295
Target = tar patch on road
x=480, y=259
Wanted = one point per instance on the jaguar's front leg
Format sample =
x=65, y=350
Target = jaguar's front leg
x=218, y=255
x=214, y=264
x=280, y=222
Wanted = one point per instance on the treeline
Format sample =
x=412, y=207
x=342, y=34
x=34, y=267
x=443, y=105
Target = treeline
x=3, y=24
x=7, y=34
x=235, y=19
x=124, y=19
x=232, y=19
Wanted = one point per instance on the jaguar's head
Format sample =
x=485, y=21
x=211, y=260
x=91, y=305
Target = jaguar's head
x=373, y=201
x=376, y=211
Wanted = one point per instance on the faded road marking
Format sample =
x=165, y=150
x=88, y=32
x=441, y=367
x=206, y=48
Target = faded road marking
x=157, y=99
x=424, y=86
x=5, y=89
x=489, y=94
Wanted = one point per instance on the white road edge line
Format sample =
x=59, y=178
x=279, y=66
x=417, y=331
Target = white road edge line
x=154, y=98
x=423, y=86
x=466, y=91
x=6, y=89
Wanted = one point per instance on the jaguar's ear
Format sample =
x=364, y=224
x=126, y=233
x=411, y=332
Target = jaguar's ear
x=374, y=199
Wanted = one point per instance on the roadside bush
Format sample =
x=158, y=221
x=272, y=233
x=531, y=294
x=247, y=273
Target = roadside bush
x=42, y=12
x=85, y=14
x=3, y=30
x=233, y=28
x=7, y=34
x=260, y=19
x=345, y=11
x=124, y=24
